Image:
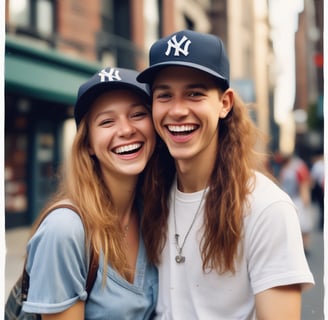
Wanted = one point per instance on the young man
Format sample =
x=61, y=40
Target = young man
x=226, y=239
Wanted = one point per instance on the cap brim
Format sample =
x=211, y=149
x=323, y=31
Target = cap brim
x=148, y=75
x=88, y=97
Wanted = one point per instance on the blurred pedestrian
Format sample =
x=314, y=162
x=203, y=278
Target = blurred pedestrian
x=226, y=239
x=115, y=139
x=294, y=178
x=318, y=185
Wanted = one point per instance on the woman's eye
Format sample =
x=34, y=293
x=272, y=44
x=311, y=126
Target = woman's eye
x=140, y=114
x=106, y=122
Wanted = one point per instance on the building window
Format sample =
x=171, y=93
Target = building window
x=152, y=19
x=107, y=12
x=19, y=13
x=16, y=155
x=114, y=45
x=44, y=17
x=32, y=17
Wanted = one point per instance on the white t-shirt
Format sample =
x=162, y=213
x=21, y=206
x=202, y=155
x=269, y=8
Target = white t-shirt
x=272, y=256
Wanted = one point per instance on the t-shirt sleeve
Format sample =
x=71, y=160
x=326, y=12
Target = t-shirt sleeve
x=56, y=263
x=275, y=249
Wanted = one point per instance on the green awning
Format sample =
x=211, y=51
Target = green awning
x=44, y=74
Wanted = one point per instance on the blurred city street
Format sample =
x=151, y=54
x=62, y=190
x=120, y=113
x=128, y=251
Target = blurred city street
x=271, y=58
x=312, y=307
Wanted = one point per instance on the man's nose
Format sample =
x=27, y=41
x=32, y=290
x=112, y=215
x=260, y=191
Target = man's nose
x=178, y=108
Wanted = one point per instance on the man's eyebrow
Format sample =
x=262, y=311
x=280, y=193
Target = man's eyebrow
x=197, y=86
x=160, y=87
x=189, y=86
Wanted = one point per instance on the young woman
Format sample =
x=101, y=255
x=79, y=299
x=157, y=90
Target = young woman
x=115, y=139
x=226, y=239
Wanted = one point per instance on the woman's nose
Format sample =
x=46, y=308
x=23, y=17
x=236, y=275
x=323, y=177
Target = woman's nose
x=126, y=128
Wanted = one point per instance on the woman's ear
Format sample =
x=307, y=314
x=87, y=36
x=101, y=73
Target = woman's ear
x=227, y=103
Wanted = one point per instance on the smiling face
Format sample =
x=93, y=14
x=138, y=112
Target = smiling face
x=187, y=106
x=121, y=133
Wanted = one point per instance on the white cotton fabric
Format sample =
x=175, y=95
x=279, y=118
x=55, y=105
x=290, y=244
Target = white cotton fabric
x=272, y=256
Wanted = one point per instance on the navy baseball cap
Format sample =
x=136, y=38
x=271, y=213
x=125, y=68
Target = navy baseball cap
x=103, y=81
x=188, y=48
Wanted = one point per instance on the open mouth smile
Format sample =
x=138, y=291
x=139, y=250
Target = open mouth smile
x=182, y=129
x=128, y=149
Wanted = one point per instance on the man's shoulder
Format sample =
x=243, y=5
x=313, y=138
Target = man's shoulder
x=266, y=191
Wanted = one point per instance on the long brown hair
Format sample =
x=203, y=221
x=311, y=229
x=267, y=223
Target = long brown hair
x=230, y=183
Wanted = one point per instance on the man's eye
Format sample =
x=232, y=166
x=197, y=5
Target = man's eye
x=162, y=96
x=195, y=94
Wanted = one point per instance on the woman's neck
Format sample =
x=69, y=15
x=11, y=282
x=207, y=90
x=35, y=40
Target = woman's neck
x=122, y=191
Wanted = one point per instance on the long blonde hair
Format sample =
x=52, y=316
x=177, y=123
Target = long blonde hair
x=81, y=184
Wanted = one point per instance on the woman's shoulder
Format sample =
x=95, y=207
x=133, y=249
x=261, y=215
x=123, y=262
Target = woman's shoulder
x=63, y=214
x=60, y=233
x=62, y=222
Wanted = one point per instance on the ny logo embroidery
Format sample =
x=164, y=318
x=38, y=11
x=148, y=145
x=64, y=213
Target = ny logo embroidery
x=112, y=75
x=174, y=44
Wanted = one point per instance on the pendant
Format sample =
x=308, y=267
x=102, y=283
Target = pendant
x=180, y=259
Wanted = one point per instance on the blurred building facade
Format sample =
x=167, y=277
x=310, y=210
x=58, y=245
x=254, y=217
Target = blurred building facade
x=53, y=46
x=308, y=107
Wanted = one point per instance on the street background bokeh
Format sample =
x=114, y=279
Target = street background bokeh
x=275, y=49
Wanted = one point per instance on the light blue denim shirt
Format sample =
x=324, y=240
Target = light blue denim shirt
x=58, y=265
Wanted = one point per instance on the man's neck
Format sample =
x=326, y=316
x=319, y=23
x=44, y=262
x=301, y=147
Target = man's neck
x=194, y=173
x=192, y=178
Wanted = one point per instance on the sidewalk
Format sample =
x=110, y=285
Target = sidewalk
x=16, y=240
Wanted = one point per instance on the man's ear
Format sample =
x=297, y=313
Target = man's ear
x=227, y=103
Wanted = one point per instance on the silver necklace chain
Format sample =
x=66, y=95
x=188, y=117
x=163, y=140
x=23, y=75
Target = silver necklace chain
x=179, y=258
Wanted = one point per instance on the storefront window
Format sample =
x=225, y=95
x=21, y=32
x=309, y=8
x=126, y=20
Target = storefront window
x=15, y=173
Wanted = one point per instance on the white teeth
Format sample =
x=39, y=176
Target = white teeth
x=127, y=148
x=182, y=128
